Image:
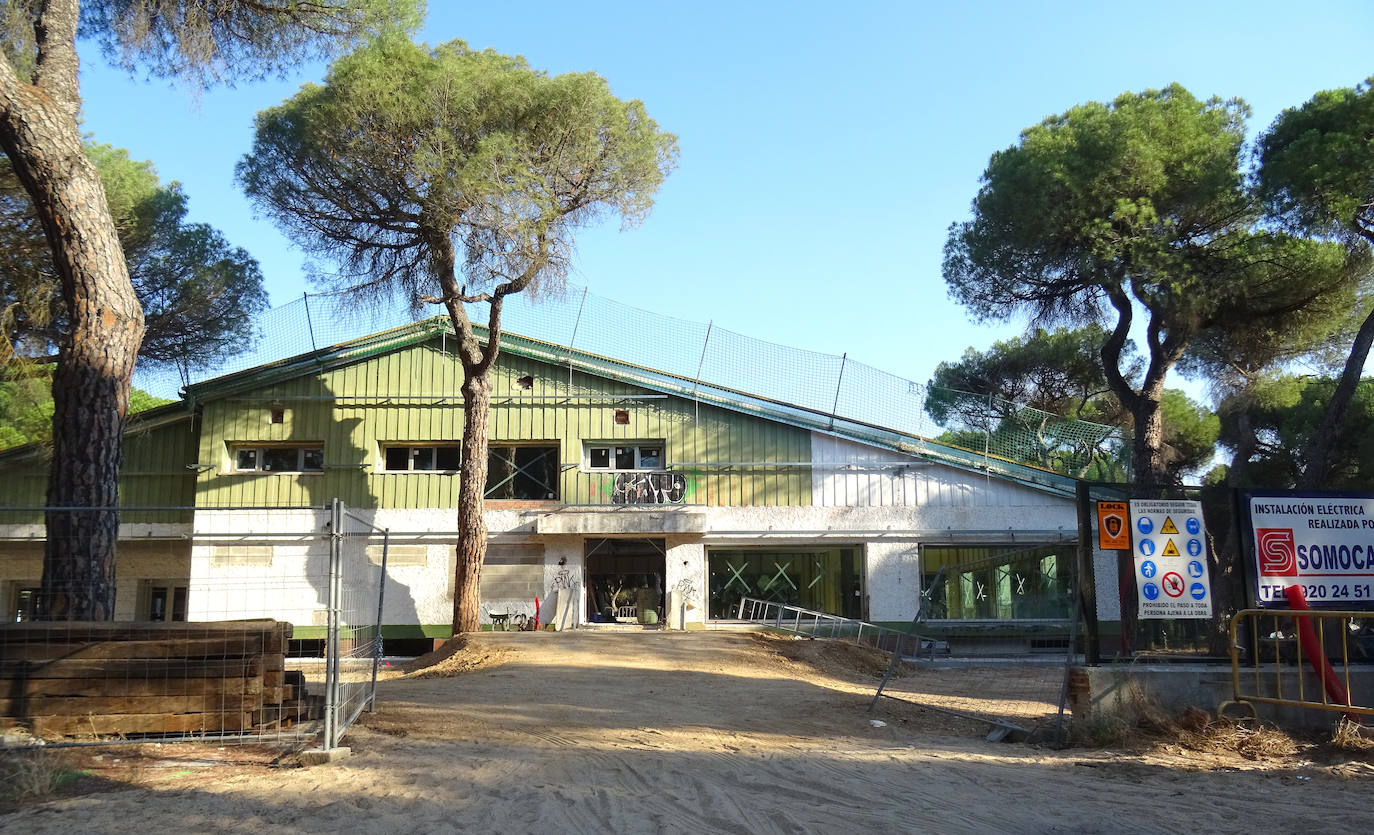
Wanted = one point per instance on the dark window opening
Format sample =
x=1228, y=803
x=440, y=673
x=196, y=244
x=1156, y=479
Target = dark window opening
x=821, y=579
x=279, y=459
x=431, y=458
x=522, y=471
x=28, y=605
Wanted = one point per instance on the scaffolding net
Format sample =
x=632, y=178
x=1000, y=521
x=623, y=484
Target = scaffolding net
x=698, y=354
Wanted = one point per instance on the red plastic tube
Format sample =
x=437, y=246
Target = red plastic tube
x=1316, y=655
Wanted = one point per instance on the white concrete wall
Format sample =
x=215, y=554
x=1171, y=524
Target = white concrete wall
x=853, y=474
x=887, y=511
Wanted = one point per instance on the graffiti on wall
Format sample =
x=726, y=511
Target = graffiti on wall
x=649, y=488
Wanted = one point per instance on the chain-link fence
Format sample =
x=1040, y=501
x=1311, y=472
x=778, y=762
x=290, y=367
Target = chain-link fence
x=697, y=354
x=1117, y=584
x=205, y=628
x=1010, y=674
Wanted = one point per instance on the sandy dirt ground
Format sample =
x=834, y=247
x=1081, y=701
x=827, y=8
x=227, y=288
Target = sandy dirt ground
x=689, y=732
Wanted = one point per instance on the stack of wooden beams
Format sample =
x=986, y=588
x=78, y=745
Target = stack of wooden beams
x=102, y=679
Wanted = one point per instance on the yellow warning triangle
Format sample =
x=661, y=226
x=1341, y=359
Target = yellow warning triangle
x=1170, y=549
x=1169, y=527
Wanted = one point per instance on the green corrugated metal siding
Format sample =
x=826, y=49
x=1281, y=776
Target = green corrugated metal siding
x=353, y=433
x=155, y=474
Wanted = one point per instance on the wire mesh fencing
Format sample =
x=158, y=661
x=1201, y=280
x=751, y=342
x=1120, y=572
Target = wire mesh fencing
x=1012, y=677
x=1169, y=639
x=202, y=630
x=354, y=644
x=838, y=387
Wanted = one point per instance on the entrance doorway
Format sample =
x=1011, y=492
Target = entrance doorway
x=624, y=580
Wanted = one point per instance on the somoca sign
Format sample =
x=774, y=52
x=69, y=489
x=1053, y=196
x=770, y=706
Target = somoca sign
x=1323, y=542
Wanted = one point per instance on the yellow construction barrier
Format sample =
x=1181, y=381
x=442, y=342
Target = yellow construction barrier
x=1277, y=670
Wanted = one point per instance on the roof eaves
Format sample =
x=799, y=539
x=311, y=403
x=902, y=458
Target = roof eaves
x=400, y=337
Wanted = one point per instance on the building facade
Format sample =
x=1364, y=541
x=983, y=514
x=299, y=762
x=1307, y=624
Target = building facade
x=615, y=493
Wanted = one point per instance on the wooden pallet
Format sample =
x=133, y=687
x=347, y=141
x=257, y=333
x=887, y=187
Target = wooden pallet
x=85, y=679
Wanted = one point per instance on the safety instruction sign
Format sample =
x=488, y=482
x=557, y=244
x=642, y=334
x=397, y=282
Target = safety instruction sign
x=1170, y=558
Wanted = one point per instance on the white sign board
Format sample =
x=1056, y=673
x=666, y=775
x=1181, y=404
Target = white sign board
x=1323, y=543
x=1169, y=542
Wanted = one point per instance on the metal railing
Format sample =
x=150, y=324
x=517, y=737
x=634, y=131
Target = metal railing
x=814, y=624
x=1279, y=667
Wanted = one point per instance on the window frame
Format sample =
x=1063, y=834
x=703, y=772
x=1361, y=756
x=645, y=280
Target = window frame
x=260, y=451
x=614, y=448
x=553, y=448
x=413, y=448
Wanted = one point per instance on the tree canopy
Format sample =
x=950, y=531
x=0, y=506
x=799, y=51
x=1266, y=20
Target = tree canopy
x=457, y=177
x=1137, y=205
x=199, y=293
x=1050, y=385
x=26, y=406
x=199, y=41
x=1316, y=171
x=1269, y=427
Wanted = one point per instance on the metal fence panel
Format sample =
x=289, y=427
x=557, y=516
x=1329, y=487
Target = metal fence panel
x=205, y=623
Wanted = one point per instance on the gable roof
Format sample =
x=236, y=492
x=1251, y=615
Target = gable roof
x=355, y=350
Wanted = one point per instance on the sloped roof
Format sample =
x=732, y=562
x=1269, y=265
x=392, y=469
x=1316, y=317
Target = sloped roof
x=355, y=350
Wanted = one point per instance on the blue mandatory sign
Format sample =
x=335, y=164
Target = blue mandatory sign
x=1195, y=569
x=1193, y=526
x=1151, y=591
x=1148, y=569
x=1198, y=591
x=1145, y=525
x=1195, y=547
x=1147, y=547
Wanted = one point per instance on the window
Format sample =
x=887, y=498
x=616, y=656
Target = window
x=26, y=608
x=402, y=459
x=278, y=459
x=166, y=603
x=644, y=455
x=1006, y=582
x=522, y=471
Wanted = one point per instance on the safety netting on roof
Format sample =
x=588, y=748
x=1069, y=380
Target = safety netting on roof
x=823, y=384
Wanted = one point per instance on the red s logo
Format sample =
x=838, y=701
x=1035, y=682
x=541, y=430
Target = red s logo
x=1277, y=557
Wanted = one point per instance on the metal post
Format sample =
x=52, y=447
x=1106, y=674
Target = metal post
x=310, y=326
x=701, y=363
x=987, y=439
x=834, y=407
x=1068, y=668
x=331, y=660
x=1087, y=593
x=377, y=647
x=576, y=324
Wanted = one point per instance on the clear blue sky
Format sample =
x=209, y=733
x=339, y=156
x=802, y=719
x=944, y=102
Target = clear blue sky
x=826, y=148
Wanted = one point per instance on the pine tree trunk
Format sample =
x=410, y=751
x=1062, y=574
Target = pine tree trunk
x=472, y=524
x=41, y=136
x=1317, y=456
x=1148, y=451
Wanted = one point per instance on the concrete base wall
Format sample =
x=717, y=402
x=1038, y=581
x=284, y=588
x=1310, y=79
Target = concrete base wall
x=271, y=563
x=1129, y=691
